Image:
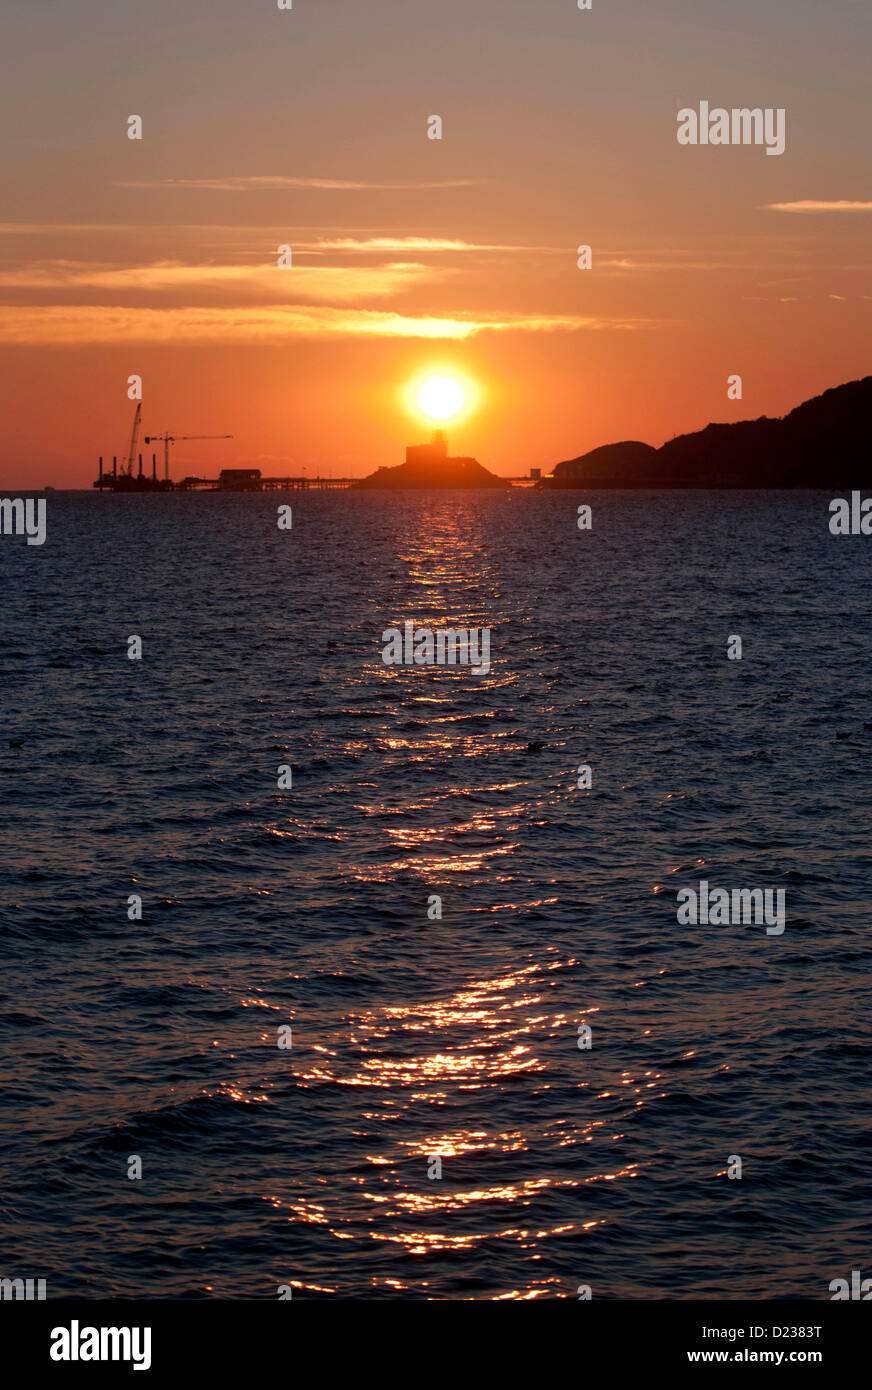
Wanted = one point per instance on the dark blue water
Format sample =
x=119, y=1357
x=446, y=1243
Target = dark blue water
x=414, y=1037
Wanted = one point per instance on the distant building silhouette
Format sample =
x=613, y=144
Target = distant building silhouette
x=430, y=466
x=239, y=480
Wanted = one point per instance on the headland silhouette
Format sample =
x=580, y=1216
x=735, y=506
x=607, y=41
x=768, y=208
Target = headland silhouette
x=823, y=443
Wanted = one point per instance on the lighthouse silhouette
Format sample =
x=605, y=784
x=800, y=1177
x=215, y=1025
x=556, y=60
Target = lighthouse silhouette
x=433, y=453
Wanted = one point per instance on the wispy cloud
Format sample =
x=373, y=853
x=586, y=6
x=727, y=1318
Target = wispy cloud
x=641, y=265
x=352, y=245
x=81, y=325
x=256, y=183
x=418, y=244
x=819, y=205
x=53, y=228
x=321, y=284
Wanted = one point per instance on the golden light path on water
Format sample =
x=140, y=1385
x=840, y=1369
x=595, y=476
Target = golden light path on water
x=499, y=1018
x=470, y=1074
x=484, y=1074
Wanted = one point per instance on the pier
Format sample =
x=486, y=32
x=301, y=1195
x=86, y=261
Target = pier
x=228, y=480
x=239, y=480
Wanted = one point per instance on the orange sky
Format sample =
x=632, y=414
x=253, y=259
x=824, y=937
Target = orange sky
x=309, y=127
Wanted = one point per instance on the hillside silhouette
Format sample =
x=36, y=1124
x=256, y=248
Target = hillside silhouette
x=823, y=443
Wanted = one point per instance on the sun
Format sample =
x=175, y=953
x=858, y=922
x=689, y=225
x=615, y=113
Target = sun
x=440, y=397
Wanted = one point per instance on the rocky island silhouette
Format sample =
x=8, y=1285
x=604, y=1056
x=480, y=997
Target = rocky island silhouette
x=429, y=466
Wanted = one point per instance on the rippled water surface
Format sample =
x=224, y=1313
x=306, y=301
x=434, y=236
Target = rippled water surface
x=415, y=1037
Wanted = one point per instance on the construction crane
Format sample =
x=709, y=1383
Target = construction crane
x=169, y=439
x=137, y=416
